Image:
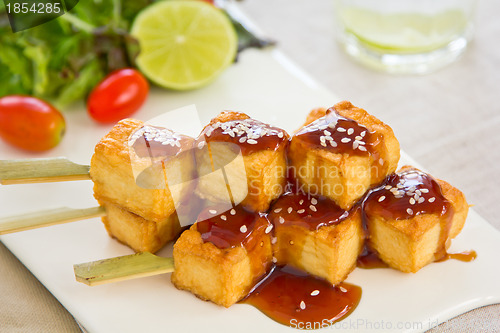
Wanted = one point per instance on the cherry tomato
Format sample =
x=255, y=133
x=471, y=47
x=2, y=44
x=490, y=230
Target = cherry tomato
x=30, y=123
x=119, y=95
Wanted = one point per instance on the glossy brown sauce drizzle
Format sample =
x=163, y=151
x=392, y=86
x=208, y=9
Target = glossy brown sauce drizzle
x=297, y=299
x=465, y=256
x=311, y=212
x=369, y=259
x=153, y=142
x=249, y=134
x=406, y=195
x=235, y=227
x=344, y=136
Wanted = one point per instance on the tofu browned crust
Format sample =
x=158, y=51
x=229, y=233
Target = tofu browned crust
x=330, y=252
x=410, y=244
x=114, y=180
x=262, y=181
x=344, y=177
x=222, y=276
x=138, y=233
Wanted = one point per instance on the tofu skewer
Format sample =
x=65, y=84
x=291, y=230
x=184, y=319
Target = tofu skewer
x=224, y=270
x=141, y=175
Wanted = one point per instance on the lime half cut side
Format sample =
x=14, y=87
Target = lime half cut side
x=184, y=44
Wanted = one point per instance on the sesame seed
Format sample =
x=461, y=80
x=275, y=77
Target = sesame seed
x=359, y=138
x=243, y=228
x=418, y=192
x=420, y=200
x=342, y=289
x=412, y=201
x=345, y=140
x=381, y=161
x=302, y=305
x=388, y=187
x=289, y=210
x=277, y=210
x=399, y=186
x=350, y=131
x=212, y=211
x=291, y=242
x=314, y=201
x=223, y=217
x=409, y=211
x=394, y=190
x=424, y=190
x=315, y=292
x=362, y=133
x=274, y=240
x=262, y=244
x=300, y=211
x=327, y=133
x=313, y=208
x=252, y=141
x=323, y=144
x=282, y=220
x=301, y=202
x=280, y=135
x=242, y=139
x=269, y=228
x=275, y=260
x=233, y=211
x=381, y=198
x=432, y=199
x=333, y=143
x=341, y=129
x=355, y=144
x=362, y=148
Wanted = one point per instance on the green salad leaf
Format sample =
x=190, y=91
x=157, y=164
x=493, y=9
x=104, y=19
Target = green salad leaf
x=62, y=60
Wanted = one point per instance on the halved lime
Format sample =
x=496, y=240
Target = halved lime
x=184, y=44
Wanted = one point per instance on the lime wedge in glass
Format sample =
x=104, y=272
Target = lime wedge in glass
x=404, y=32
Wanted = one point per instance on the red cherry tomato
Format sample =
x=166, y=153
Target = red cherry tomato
x=30, y=123
x=119, y=95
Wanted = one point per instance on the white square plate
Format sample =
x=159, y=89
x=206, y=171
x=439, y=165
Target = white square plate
x=268, y=87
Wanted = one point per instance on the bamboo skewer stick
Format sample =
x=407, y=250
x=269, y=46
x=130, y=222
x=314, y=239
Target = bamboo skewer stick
x=122, y=268
x=61, y=169
x=47, y=218
x=43, y=170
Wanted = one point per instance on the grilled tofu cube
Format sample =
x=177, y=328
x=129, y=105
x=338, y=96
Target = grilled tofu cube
x=315, y=235
x=412, y=218
x=138, y=233
x=241, y=160
x=158, y=153
x=221, y=257
x=343, y=153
